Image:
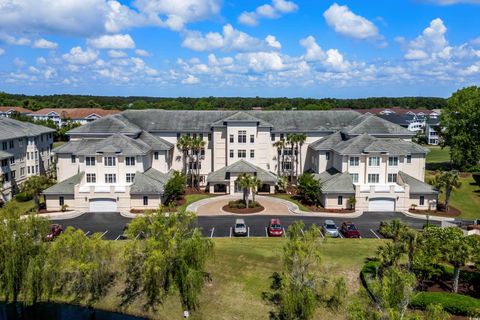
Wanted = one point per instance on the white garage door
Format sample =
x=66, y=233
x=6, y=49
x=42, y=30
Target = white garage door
x=103, y=205
x=381, y=204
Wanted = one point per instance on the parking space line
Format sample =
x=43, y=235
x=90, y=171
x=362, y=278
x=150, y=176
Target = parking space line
x=138, y=235
x=266, y=232
x=87, y=233
x=248, y=232
x=106, y=231
x=341, y=235
x=231, y=232
x=321, y=234
x=118, y=237
x=303, y=233
x=285, y=233
x=211, y=234
x=376, y=235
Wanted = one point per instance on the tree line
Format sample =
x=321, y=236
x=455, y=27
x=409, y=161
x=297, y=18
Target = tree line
x=215, y=103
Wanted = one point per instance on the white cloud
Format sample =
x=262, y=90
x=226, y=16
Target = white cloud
x=44, y=44
x=19, y=62
x=142, y=53
x=78, y=56
x=331, y=59
x=41, y=60
x=115, y=41
x=416, y=54
x=14, y=41
x=190, y=79
x=262, y=61
x=268, y=11
x=117, y=54
x=230, y=40
x=349, y=24
x=2, y=51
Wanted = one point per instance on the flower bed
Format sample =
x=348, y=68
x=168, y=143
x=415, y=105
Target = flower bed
x=238, y=206
x=452, y=212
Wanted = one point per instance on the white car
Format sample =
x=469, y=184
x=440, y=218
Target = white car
x=240, y=228
x=330, y=228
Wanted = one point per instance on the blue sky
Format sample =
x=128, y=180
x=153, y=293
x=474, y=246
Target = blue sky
x=342, y=49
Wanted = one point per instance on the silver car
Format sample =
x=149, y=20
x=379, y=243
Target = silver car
x=330, y=228
x=240, y=228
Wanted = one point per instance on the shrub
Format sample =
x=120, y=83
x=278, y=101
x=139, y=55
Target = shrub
x=453, y=303
x=23, y=197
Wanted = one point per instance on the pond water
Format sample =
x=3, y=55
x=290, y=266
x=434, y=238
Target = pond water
x=54, y=311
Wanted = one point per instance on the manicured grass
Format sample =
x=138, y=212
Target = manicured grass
x=289, y=197
x=25, y=206
x=191, y=198
x=240, y=271
x=438, y=155
x=466, y=198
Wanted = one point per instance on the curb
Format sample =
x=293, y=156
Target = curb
x=131, y=215
x=424, y=217
x=60, y=215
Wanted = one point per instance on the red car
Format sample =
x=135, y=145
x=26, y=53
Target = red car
x=349, y=230
x=275, y=228
x=55, y=231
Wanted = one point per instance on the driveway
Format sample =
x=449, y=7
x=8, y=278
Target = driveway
x=213, y=206
x=112, y=224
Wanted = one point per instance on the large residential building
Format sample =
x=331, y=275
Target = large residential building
x=7, y=111
x=25, y=150
x=123, y=161
x=77, y=115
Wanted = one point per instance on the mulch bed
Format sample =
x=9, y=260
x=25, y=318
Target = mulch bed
x=452, y=212
x=243, y=211
x=320, y=209
x=50, y=211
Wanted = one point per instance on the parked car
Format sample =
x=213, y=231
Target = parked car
x=349, y=230
x=240, y=228
x=330, y=228
x=55, y=231
x=275, y=228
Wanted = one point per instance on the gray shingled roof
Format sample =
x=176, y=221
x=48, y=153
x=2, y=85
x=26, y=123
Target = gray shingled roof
x=416, y=186
x=366, y=143
x=375, y=125
x=11, y=129
x=241, y=166
x=5, y=155
x=334, y=182
x=242, y=116
x=108, y=125
x=149, y=182
x=156, y=143
x=65, y=187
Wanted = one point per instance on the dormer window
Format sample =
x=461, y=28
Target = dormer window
x=242, y=136
x=374, y=161
x=109, y=161
x=129, y=161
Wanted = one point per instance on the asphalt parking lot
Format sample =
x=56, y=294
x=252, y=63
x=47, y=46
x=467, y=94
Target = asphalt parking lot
x=111, y=225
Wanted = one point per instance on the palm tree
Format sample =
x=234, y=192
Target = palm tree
x=247, y=183
x=280, y=145
x=197, y=146
x=446, y=182
x=256, y=183
x=301, y=138
x=183, y=145
x=291, y=140
x=2, y=196
x=34, y=186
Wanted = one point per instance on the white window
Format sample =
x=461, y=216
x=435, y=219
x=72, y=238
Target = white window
x=109, y=161
x=354, y=177
x=130, y=177
x=287, y=165
x=392, y=177
x=61, y=200
x=374, y=161
x=129, y=161
x=252, y=138
x=242, y=136
x=354, y=161
x=145, y=200
x=91, y=178
x=155, y=155
x=373, y=178
x=231, y=153
x=242, y=153
x=73, y=158
x=22, y=171
x=340, y=200
x=422, y=200
x=110, y=178
x=327, y=155
x=12, y=160
x=232, y=138
x=409, y=159
x=90, y=161
x=393, y=161
x=252, y=153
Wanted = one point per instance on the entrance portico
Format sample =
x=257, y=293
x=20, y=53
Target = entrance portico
x=224, y=179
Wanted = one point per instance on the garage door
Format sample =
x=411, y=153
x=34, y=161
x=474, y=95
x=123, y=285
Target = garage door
x=103, y=205
x=381, y=204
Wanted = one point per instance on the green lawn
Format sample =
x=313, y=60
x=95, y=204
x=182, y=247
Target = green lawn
x=240, y=271
x=25, y=206
x=191, y=198
x=466, y=198
x=289, y=197
x=58, y=144
x=438, y=155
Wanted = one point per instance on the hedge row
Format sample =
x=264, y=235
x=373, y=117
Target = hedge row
x=23, y=197
x=454, y=303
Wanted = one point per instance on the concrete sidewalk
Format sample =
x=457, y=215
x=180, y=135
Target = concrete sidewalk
x=58, y=215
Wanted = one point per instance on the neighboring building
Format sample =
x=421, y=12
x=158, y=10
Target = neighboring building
x=77, y=115
x=432, y=129
x=123, y=161
x=7, y=111
x=25, y=150
x=411, y=122
x=420, y=113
